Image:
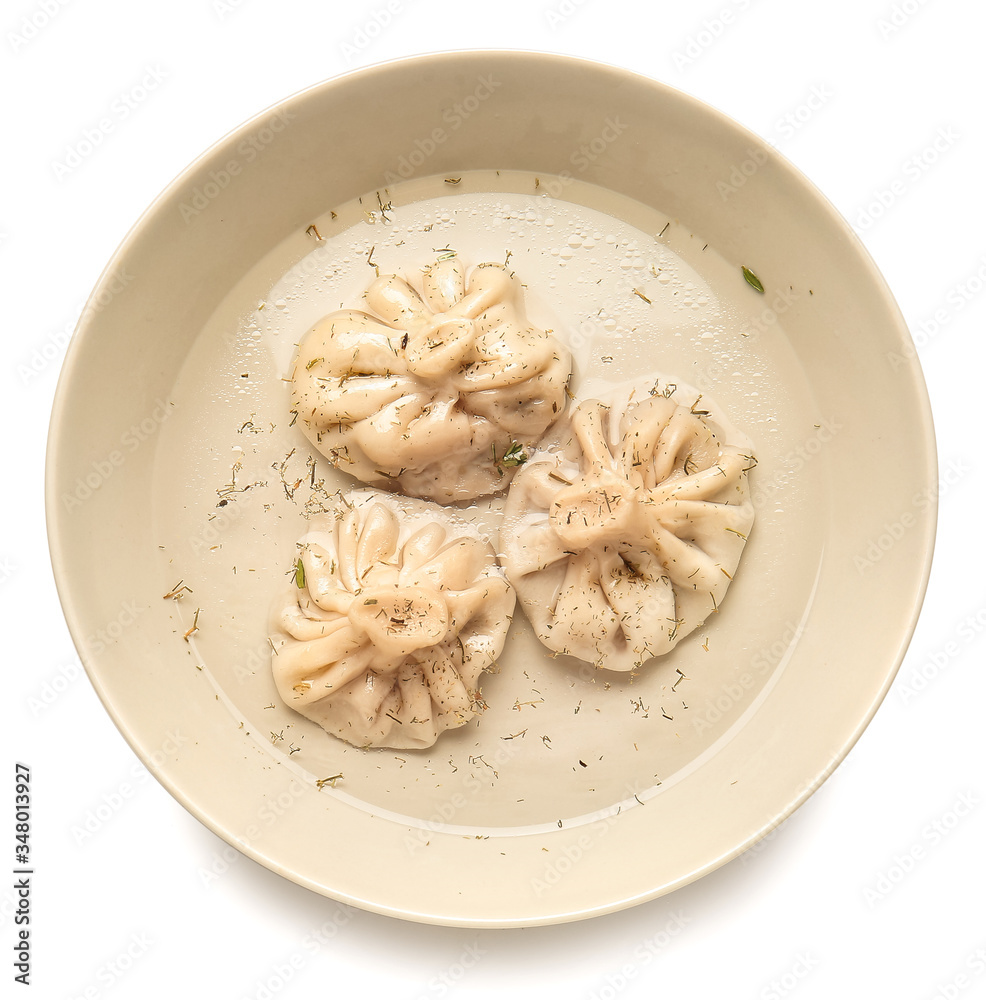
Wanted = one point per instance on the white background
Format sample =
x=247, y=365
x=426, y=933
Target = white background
x=873, y=100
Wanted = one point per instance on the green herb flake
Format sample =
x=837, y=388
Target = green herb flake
x=513, y=456
x=299, y=574
x=752, y=279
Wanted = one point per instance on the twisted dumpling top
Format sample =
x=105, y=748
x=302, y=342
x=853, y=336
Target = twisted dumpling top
x=396, y=609
x=434, y=394
x=624, y=529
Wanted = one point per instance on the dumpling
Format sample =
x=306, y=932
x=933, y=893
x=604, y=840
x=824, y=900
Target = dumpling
x=436, y=394
x=623, y=531
x=395, y=609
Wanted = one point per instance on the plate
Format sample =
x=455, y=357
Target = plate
x=656, y=236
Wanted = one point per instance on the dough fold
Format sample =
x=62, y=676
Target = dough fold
x=625, y=528
x=435, y=392
x=395, y=609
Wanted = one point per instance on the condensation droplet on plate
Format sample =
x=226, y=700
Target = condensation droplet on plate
x=575, y=240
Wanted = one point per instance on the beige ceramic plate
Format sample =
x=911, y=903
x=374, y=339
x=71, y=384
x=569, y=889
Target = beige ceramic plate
x=169, y=468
